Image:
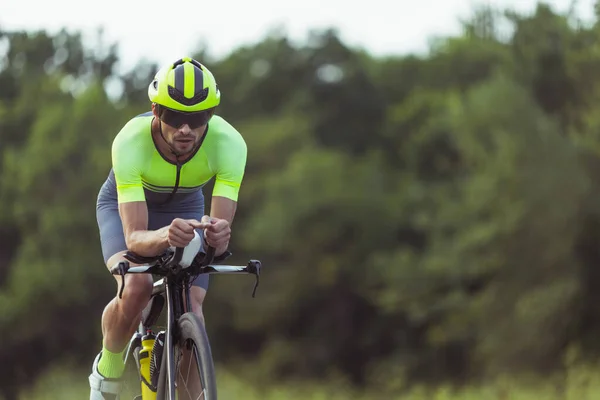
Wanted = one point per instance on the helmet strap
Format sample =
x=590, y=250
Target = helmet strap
x=176, y=154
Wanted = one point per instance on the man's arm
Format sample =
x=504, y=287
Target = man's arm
x=222, y=208
x=138, y=238
x=229, y=176
x=128, y=159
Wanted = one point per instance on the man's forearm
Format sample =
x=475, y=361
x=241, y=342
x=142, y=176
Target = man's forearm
x=148, y=243
x=223, y=208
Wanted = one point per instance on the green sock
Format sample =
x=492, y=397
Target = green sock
x=111, y=365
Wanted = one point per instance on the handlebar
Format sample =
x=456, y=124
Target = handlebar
x=178, y=255
x=168, y=264
x=208, y=257
x=169, y=260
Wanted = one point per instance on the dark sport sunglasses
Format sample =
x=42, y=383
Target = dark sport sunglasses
x=176, y=119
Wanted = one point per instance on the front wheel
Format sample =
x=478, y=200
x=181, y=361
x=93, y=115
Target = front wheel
x=192, y=371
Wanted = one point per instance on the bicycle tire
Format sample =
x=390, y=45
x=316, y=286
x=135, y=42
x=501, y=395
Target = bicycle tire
x=191, y=329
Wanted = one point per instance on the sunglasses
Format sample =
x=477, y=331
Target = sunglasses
x=176, y=119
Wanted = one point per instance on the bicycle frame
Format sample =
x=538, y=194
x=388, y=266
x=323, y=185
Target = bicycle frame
x=174, y=284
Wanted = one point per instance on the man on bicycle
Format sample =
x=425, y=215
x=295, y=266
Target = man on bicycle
x=153, y=200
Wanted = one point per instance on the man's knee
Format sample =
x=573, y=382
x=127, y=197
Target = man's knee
x=137, y=291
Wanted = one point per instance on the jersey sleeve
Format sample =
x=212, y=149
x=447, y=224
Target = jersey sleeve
x=232, y=166
x=128, y=175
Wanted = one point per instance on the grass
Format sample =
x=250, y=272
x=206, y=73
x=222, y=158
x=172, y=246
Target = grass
x=580, y=384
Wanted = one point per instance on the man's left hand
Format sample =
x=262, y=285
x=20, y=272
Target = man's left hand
x=217, y=233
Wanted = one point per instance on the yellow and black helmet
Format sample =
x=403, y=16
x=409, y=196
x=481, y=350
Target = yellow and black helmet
x=186, y=86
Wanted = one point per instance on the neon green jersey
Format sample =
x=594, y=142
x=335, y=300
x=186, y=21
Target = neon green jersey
x=142, y=174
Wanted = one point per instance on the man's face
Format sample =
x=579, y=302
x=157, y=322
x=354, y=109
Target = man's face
x=182, y=131
x=183, y=139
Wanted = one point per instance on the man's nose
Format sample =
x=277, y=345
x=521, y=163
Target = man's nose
x=185, y=129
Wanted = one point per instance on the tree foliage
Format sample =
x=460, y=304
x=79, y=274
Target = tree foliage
x=420, y=218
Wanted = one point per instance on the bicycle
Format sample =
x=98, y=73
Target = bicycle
x=154, y=352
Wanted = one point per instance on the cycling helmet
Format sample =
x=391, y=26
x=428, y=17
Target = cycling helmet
x=186, y=86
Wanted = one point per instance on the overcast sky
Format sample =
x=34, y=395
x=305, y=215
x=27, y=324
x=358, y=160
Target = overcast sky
x=165, y=30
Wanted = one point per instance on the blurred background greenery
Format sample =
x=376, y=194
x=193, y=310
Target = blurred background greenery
x=428, y=224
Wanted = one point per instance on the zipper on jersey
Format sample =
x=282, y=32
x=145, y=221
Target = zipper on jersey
x=176, y=182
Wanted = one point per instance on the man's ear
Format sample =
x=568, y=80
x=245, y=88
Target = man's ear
x=155, y=109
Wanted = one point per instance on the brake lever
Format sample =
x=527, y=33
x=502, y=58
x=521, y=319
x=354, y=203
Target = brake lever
x=255, y=286
x=122, y=286
x=123, y=265
x=254, y=268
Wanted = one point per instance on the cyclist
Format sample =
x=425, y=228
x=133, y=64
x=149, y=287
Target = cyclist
x=153, y=199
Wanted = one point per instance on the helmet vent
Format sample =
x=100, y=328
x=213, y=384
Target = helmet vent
x=180, y=98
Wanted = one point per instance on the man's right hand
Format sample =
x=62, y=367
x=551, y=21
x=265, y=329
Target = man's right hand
x=181, y=231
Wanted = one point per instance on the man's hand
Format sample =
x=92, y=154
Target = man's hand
x=217, y=232
x=181, y=231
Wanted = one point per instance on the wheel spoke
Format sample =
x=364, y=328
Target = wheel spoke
x=189, y=368
x=193, y=353
x=198, y=385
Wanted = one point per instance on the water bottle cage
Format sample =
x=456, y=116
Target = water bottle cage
x=156, y=359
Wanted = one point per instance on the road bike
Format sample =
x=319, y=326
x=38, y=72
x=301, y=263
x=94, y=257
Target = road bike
x=163, y=359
